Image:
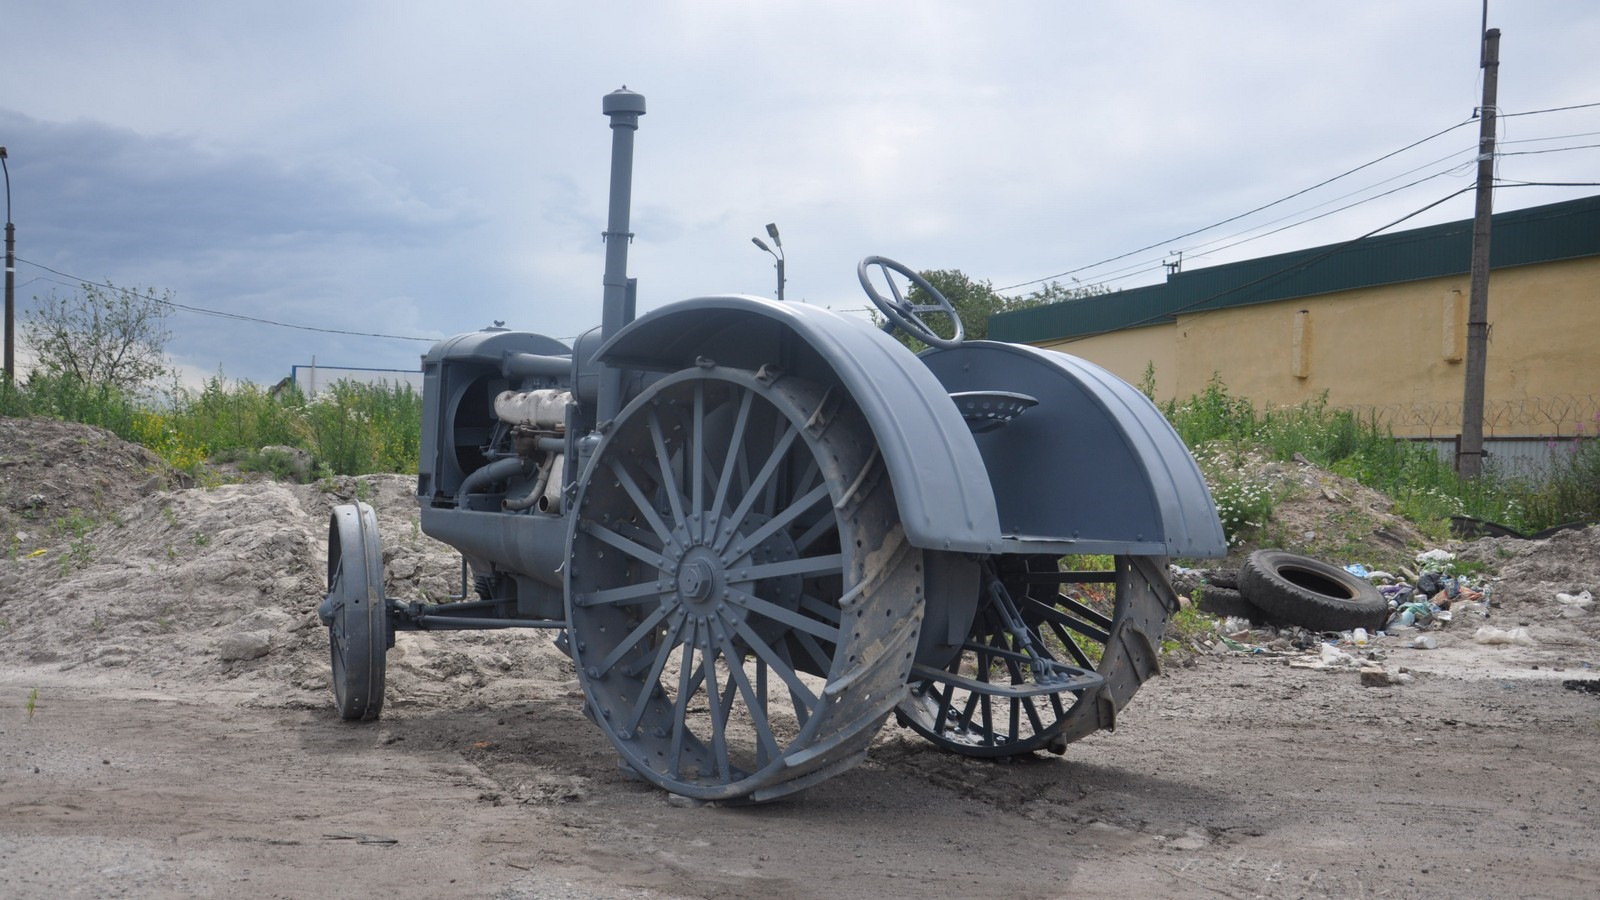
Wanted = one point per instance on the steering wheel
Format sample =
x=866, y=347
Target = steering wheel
x=901, y=312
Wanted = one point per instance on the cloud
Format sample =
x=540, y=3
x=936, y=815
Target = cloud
x=425, y=169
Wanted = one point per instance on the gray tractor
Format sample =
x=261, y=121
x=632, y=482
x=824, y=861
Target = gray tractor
x=759, y=529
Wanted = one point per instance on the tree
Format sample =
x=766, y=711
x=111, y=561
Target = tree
x=975, y=301
x=106, y=338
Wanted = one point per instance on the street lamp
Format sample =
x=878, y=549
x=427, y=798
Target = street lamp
x=772, y=232
x=11, y=280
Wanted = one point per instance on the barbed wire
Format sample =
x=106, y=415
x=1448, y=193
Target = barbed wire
x=1557, y=415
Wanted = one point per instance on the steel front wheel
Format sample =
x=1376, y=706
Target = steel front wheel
x=743, y=603
x=1108, y=622
x=355, y=612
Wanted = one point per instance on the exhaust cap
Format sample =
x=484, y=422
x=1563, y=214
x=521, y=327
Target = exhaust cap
x=623, y=102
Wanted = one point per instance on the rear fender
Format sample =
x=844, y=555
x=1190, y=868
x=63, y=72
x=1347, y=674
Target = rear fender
x=938, y=474
x=1093, y=468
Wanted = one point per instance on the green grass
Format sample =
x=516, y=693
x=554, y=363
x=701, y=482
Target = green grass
x=1425, y=489
x=357, y=429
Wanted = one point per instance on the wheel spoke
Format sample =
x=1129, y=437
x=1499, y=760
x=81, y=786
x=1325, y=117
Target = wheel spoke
x=633, y=639
x=637, y=551
x=769, y=489
x=771, y=658
x=720, y=706
x=823, y=526
x=802, y=708
x=1059, y=618
x=778, y=614
x=680, y=708
x=813, y=650
x=777, y=523
x=697, y=450
x=1075, y=608
x=729, y=462
x=1078, y=656
x=753, y=491
x=630, y=595
x=651, y=681
x=757, y=708
x=669, y=478
x=964, y=721
x=619, y=467
x=944, y=707
x=708, y=682
x=821, y=610
x=832, y=564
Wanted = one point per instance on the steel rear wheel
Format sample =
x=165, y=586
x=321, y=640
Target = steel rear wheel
x=743, y=604
x=355, y=612
x=1110, y=622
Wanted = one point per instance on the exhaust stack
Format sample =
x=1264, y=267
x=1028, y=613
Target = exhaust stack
x=624, y=107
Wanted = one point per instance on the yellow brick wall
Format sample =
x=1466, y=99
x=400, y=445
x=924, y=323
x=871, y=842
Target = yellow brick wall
x=1397, y=349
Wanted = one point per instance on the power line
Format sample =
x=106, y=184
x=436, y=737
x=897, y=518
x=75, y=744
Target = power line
x=1507, y=182
x=1534, y=112
x=224, y=315
x=1240, y=215
x=1296, y=224
x=1287, y=270
x=1551, y=150
x=1430, y=137
x=1554, y=137
x=1193, y=251
x=1328, y=213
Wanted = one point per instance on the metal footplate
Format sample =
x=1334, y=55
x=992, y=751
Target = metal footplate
x=1049, y=677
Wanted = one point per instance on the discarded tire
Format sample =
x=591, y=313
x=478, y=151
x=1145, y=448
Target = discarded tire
x=1299, y=590
x=1225, y=602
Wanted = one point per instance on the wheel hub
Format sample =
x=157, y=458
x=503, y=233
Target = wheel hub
x=695, y=579
x=699, y=579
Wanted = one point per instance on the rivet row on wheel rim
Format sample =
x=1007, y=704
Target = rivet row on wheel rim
x=743, y=604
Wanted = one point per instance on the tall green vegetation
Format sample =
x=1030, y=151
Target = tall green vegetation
x=100, y=360
x=350, y=429
x=1425, y=487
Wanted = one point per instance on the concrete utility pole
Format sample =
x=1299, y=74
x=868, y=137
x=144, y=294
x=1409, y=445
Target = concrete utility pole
x=11, y=281
x=1469, y=456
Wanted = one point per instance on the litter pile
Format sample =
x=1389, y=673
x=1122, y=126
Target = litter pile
x=1537, y=610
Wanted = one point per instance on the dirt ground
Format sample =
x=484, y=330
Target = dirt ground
x=167, y=730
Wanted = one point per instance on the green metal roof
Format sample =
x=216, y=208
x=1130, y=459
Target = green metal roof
x=1555, y=231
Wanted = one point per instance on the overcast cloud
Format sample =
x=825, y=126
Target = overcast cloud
x=424, y=169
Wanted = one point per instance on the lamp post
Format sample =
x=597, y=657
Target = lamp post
x=772, y=232
x=11, y=280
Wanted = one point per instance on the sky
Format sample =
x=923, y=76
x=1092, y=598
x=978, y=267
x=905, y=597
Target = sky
x=424, y=169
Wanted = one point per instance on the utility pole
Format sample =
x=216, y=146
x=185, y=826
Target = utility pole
x=11, y=282
x=1469, y=455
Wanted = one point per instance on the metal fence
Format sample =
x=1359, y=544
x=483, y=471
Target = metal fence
x=1515, y=457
